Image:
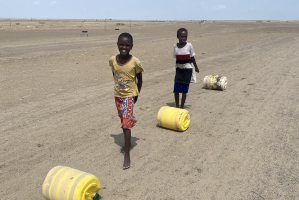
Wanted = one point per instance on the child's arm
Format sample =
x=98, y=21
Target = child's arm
x=194, y=63
x=139, y=84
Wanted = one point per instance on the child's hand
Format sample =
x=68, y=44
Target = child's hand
x=196, y=69
x=135, y=99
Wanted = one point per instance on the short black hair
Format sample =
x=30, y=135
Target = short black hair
x=127, y=35
x=181, y=30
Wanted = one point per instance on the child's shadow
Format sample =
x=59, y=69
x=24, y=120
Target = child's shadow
x=120, y=140
x=172, y=104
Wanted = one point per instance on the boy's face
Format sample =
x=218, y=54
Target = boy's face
x=183, y=37
x=124, y=45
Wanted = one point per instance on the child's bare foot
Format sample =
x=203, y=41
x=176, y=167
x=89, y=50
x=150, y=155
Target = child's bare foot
x=127, y=162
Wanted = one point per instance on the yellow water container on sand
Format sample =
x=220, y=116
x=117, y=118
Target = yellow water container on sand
x=65, y=183
x=173, y=118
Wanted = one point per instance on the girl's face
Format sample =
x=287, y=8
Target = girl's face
x=183, y=37
x=124, y=46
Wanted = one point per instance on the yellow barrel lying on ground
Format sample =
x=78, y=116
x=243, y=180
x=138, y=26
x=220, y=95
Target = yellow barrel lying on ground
x=173, y=118
x=65, y=183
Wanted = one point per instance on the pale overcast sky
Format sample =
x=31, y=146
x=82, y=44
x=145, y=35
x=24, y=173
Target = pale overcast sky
x=152, y=9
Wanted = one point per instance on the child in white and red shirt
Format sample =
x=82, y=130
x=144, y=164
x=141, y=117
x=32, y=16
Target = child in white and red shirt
x=185, y=67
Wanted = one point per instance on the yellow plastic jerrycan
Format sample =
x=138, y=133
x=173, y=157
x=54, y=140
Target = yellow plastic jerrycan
x=215, y=82
x=173, y=118
x=65, y=183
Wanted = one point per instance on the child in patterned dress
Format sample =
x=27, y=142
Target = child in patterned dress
x=126, y=69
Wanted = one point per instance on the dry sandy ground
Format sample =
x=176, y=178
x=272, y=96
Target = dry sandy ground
x=57, y=108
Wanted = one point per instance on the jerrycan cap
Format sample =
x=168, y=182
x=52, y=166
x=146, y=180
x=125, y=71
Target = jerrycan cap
x=96, y=196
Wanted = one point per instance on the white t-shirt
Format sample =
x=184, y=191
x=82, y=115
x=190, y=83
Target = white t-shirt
x=183, y=58
x=184, y=55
